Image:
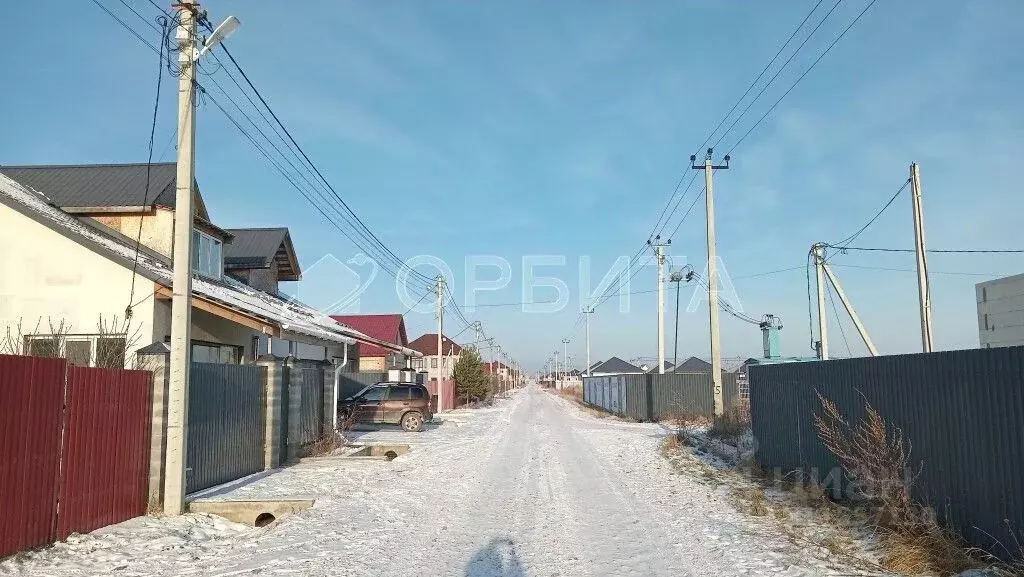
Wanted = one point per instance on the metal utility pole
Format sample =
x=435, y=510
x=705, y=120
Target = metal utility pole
x=819, y=273
x=588, y=312
x=924, y=293
x=440, y=332
x=181, y=290
x=565, y=359
x=659, y=250
x=716, y=345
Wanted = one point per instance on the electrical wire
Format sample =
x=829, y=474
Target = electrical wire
x=768, y=272
x=417, y=303
x=940, y=251
x=956, y=273
x=779, y=71
x=802, y=76
x=149, y=167
x=387, y=259
x=861, y=230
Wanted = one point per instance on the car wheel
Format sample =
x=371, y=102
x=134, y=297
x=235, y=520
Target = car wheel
x=412, y=422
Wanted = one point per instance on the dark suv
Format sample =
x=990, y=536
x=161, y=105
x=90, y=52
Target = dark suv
x=405, y=404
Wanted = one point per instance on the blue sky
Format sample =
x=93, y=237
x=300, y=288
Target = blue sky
x=519, y=128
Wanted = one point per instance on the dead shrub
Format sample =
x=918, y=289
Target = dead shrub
x=686, y=420
x=731, y=426
x=324, y=446
x=876, y=458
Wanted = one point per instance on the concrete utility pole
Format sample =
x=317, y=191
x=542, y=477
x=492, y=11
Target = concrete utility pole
x=924, y=293
x=850, y=310
x=440, y=332
x=565, y=359
x=716, y=346
x=588, y=312
x=819, y=273
x=181, y=301
x=555, y=376
x=677, y=277
x=659, y=250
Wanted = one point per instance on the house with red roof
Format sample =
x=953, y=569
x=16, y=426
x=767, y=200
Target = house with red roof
x=436, y=366
x=389, y=328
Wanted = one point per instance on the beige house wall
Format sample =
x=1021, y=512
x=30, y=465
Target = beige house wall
x=372, y=363
x=46, y=277
x=157, y=228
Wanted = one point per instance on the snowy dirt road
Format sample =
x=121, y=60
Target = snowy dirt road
x=530, y=487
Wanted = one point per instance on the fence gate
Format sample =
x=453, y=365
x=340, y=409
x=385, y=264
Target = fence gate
x=105, y=465
x=226, y=408
x=311, y=413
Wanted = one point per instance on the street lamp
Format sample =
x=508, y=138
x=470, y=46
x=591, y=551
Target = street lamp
x=685, y=273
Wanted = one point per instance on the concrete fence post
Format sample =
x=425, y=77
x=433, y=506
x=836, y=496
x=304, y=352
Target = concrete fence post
x=294, y=412
x=157, y=361
x=328, y=424
x=273, y=431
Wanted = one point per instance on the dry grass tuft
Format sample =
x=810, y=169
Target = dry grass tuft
x=927, y=551
x=751, y=500
x=731, y=426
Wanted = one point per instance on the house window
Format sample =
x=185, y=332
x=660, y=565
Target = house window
x=433, y=363
x=206, y=255
x=417, y=363
x=212, y=353
x=82, y=350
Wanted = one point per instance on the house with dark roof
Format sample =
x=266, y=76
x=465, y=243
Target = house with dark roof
x=436, y=366
x=81, y=263
x=693, y=365
x=654, y=368
x=385, y=327
x=261, y=257
x=615, y=366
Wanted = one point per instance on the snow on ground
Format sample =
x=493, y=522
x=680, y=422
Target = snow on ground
x=530, y=487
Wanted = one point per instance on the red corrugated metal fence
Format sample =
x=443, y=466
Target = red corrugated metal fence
x=74, y=449
x=449, y=393
x=31, y=400
x=105, y=467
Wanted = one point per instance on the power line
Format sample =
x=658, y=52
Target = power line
x=882, y=268
x=768, y=272
x=941, y=251
x=780, y=70
x=801, y=77
x=861, y=230
x=389, y=261
x=313, y=166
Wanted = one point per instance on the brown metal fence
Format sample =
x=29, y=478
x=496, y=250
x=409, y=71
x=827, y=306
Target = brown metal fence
x=74, y=449
x=653, y=397
x=963, y=411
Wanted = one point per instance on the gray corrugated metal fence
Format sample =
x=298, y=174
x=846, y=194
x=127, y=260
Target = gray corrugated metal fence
x=653, y=397
x=963, y=411
x=311, y=410
x=352, y=383
x=226, y=416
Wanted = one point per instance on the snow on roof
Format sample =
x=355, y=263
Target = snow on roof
x=292, y=317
